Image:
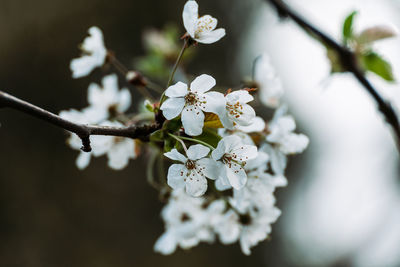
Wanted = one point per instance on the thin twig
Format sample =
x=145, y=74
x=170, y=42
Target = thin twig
x=348, y=61
x=83, y=131
x=178, y=60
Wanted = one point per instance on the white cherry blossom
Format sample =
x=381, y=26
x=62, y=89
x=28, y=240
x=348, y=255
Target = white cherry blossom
x=186, y=223
x=119, y=150
x=256, y=225
x=190, y=102
x=269, y=84
x=201, y=29
x=256, y=206
x=281, y=133
x=192, y=174
x=231, y=155
x=108, y=99
x=74, y=141
x=93, y=54
x=258, y=125
x=236, y=110
x=251, y=225
x=282, y=141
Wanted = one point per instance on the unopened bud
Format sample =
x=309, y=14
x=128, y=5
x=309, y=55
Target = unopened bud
x=136, y=78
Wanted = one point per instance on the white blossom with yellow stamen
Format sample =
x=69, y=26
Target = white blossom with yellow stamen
x=201, y=29
x=231, y=156
x=191, y=101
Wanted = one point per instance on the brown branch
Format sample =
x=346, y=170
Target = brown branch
x=83, y=131
x=348, y=61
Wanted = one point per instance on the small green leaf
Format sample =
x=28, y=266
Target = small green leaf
x=157, y=136
x=209, y=136
x=173, y=125
x=375, y=63
x=169, y=144
x=348, y=27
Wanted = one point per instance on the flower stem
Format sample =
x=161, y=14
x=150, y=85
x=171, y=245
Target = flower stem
x=197, y=141
x=178, y=60
x=179, y=140
x=150, y=170
x=124, y=71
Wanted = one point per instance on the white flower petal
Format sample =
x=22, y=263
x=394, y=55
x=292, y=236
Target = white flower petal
x=175, y=155
x=242, y=96
x=176, y=175
x=229, y=229
x=244, y=152
x=124, y=101
x=172, y=107
x=94, y=46
x=192, y=120
x=277, y=158
x=210, y=37
x=198, y=151
x=94, y=42
x=179, y=89
x=94, y=94
x=222, y=183
x=258, y=125
x=120, y=153
x=202, y=84
x=196, y=185
x=246, y=116
x=82, y=66
x=219, y=151
x=166, y=244
x=294, y=143
x=225, y=119
x=209, y=167
x=110, y=83
x=190, y=16
x=279, y=181
x=236, y=175
x=231, y=142
x=258, y=163
x=101, y=144
x=215, y=103
x=83, y=160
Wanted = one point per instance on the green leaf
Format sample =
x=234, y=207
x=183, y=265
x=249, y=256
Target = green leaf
x=157, y=136
x=348, y=27
x=169, y=144
x=375, y=63
x=209, y=136
x=173, y=125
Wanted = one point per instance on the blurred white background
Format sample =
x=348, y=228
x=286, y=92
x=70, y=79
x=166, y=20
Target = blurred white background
x=346, y=205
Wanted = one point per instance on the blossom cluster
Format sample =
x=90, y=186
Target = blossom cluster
x=225, y=161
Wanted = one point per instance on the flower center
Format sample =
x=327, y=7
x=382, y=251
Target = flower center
x=235, y=110
x=226, y=158
x=245, y=219
x=185, y=217
x=190, y=164
x=190, y=98
x=203, y=25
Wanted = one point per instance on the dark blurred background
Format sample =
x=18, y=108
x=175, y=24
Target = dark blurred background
x=52, y=214
x=341, y=205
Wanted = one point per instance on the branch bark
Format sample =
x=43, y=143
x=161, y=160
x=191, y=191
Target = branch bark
x=83, y=131
x=348, y=61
